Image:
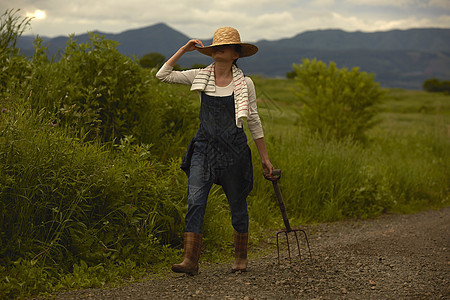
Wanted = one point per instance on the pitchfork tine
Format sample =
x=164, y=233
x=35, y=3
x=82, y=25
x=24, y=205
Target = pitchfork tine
x=298, y=245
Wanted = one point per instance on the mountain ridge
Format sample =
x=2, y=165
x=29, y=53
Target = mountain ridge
x=399, y=58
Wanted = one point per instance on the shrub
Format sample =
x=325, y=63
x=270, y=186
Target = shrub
x=434, y=85
x=152, y=60
x=337, y=103
x=102, y=92
x=96, y=92
x=63, y=200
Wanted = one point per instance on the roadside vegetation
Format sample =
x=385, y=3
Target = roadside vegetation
x=90, y=145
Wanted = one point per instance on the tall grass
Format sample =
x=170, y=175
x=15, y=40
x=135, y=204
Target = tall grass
x=64, y=202
x=321, y=181
x=404, y=168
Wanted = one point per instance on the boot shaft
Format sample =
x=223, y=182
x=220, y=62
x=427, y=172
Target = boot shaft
x=192, y=250
x=240, y=245
x=192, y=246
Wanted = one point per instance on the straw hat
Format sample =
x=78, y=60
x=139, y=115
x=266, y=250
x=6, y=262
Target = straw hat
x=228, y=36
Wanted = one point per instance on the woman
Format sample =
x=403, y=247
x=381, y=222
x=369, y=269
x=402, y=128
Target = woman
x=219, y=152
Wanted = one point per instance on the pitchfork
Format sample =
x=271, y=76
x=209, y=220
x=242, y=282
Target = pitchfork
x=276, y=174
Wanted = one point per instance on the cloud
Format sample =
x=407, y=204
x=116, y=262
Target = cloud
x=408, y=4
x=322, y=3
x=440, y=4
x=398, y=3
x=37, y=14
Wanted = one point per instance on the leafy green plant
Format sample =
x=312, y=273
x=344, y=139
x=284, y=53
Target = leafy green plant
x=103, y=92
x=97, y=93
x=66, y=200
x=337, y=103
x=152, y=60
x=14, y=66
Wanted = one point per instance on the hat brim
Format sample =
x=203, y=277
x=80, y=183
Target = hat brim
x=246, y=50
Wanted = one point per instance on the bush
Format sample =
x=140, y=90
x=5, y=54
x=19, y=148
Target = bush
x=434, y=85
x=102, y=92
x=97, y=93
x=152, y=60
x=337, y=103
x=63, y=200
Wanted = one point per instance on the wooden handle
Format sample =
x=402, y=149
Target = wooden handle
x=276, y=173
x=281, y=204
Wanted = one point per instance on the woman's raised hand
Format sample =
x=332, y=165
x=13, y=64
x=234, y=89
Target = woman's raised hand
x=190, y=46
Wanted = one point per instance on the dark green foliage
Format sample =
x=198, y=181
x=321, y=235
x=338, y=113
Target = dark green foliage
x=97, y=93
x=63, y=200
x=436, y=86
x=13, y=65
x=291, y=74
x=74, y=212
x=337, y=103
x=152, y=60
x=102, y=93
x=198, y=66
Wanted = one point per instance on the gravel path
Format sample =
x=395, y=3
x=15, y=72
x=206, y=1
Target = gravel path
x=391, y=257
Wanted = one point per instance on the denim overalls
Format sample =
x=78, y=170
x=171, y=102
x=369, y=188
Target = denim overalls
x=218, y=154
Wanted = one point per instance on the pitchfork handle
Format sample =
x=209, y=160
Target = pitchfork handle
x=281, y=204
x=276, y=174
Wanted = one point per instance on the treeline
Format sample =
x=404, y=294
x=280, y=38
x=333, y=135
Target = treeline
x=435, y=85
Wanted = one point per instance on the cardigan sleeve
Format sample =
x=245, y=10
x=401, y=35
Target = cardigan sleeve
x=168, y=75
x=253, y=120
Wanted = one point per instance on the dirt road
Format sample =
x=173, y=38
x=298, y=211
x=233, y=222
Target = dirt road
x=392, y=257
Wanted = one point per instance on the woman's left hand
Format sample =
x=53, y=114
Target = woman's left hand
x=267, y=168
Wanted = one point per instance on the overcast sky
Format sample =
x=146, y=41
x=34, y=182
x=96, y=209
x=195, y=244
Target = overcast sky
x=255, y=19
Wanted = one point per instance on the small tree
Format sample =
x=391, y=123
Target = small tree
x=152, y=60
x=291, y=74
x=337, y=103
x=434, y=85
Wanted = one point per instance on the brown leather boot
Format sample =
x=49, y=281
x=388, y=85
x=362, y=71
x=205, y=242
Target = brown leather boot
x=240, y=252
x=192, y=249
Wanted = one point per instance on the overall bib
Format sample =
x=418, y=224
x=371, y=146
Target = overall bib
x=218, y=154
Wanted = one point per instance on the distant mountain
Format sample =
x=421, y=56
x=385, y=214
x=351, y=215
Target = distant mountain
x=335, y=39
x=156, y=38
x=399, y=58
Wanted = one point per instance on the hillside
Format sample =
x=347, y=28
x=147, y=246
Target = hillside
x=399, y=58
